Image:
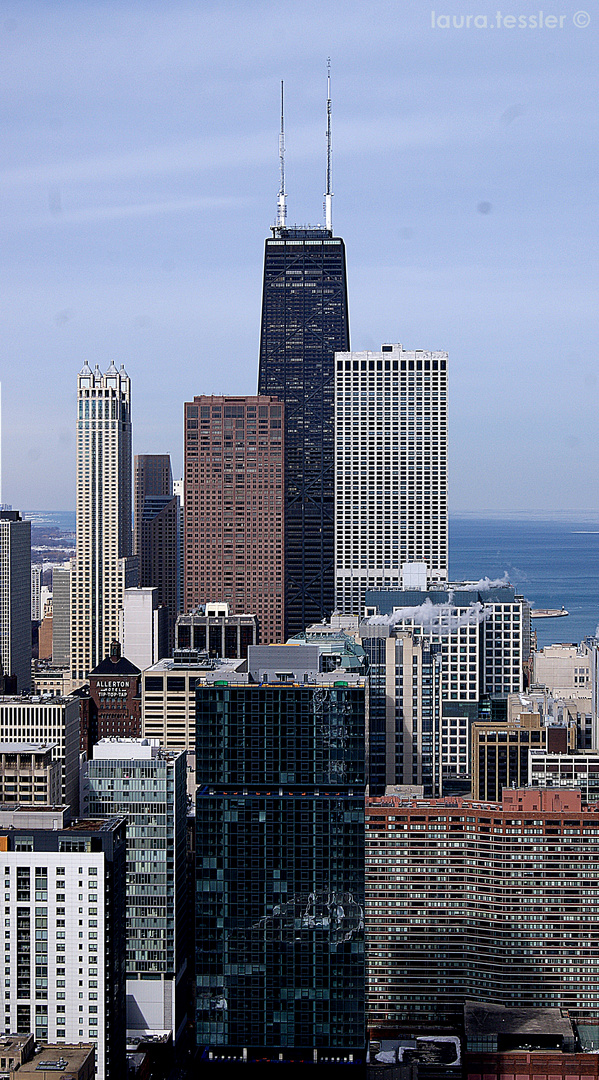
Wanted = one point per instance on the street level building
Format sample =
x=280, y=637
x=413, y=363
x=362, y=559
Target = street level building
x=390, y=469
x=134, y=777
x=103, y=538
x=500, y=751
x=29, y=773
x=484, y=901
x=215, y=631
x=15, y=599
x=168, y=702
x=234, y=507
x=112, y=708
x=49, y=721
x=78, y=1062
x=547, y=769
x=279, y=879
x=482, y=635
x=64, y=940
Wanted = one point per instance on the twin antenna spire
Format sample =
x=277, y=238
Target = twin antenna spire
x=282, y=211
x=328, y=195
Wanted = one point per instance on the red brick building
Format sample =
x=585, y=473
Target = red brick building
x=496, y=902
x=113, y=707
x=234, y=507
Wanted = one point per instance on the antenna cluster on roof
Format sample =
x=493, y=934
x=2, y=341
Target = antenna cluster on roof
x=282, y=211
x=328, y=195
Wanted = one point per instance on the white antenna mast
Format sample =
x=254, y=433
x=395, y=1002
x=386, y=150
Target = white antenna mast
x=282, y=206
x=328, y=196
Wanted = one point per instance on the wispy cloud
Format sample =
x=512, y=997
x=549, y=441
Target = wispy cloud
x=95, y=214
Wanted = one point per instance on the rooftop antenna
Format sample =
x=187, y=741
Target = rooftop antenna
x=282, y=206
x=328, y=195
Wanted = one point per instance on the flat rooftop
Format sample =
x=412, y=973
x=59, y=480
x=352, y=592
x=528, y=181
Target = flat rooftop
x=25, y=748
x=489, y=1019
x=67, y=1058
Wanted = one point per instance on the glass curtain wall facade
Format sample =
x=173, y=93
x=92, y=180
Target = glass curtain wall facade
x=280, y=871
x=305, y=320
x=151, y=789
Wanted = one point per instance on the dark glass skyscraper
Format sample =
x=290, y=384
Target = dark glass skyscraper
x=280, y=856
x=305, y=320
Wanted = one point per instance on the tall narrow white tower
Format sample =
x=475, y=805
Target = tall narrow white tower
x=103, y=513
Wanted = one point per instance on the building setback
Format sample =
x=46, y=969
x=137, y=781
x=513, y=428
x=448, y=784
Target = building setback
x=214, y=631
x=279, y=810
x=53, y=721
x=103, y=537
x=390, y=469
x=29, y=773
x=64, y=943
x=234, y=507
x=487, y=901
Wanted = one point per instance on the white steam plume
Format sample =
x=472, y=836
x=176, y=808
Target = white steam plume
x=483, y=583
x=440, y=619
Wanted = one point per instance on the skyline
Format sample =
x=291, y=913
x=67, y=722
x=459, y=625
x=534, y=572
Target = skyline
x=140, y=180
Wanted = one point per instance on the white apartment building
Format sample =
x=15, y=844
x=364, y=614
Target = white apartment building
x=64, y=923
x=103, y=536
x=168, y=702
x=565, y=669
x=482, y=635
x=390, y=469
x=50, y=721
x=143, y=627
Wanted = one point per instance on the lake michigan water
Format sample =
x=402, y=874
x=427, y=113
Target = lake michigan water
x=553, y=561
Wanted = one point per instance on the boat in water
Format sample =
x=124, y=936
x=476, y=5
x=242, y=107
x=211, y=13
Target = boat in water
x=548, y=613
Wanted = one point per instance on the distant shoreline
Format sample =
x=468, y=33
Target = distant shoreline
x=462, y=515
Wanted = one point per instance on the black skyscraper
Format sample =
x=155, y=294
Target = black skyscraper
x=305, y=320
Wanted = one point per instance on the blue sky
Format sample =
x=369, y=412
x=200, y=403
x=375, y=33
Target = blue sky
x=138, y=180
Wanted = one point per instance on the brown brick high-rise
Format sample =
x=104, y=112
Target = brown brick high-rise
x=234, y=507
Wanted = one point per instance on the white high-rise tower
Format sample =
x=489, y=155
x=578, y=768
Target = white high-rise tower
x=103, y=514
x=390, y=470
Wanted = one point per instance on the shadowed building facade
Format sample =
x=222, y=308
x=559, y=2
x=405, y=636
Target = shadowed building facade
x=305, y=320
x=280, y=856
x=156, y=539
